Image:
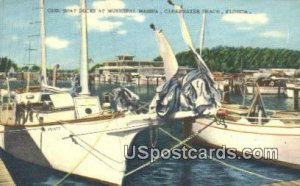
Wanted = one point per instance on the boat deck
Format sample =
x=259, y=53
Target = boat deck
x=237, y=112
x=5, y=177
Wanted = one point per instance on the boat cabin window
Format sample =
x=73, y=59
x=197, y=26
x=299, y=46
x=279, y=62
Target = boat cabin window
x=45, y=97
x=5, y=99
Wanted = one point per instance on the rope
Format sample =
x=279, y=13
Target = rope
x=83, y=157
x=223, y=163
x=184, y=142
x=145, y=106
x=173, y=147
x=101, y=131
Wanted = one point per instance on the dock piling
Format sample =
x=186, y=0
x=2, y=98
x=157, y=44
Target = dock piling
x=279, y=88
x=296, y=103
x=226, y=97
x=147, y=81
x=231, y=88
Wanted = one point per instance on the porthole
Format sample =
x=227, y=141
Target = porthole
x=88, y=111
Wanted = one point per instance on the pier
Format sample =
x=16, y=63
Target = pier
x=292, y=182
x=5, y=177
x=295, y=94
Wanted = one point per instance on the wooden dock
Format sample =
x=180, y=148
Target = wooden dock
x=285, y=183
x=5, y=177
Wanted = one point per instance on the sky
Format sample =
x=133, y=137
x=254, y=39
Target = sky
x=252, y=23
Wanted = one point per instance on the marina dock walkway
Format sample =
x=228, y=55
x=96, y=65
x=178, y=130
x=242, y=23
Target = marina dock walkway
x=5, y=177
x=285, y=183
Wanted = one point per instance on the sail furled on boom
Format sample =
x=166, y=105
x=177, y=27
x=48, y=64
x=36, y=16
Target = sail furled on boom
x=187, y=39
x=202, y=75
x=196, y=91
x=192, y=92
x=125, y=99
x=167, y=98
x=199, y=94
x=167, y=54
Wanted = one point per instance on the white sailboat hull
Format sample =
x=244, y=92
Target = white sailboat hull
x=284, y=138
x=83, y=149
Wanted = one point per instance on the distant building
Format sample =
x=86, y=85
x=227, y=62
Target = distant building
x=126, y=69
x=125, y=64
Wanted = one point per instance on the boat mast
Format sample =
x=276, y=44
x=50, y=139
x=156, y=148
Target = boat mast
x=29, y=64
x=84, y=52
x=43, y=46
x=202, y=33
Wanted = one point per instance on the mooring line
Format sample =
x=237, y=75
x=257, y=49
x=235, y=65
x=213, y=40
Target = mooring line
x=223, y=163
x=83, y=157
x=173, y=147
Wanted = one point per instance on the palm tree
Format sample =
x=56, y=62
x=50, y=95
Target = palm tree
x=6, y=64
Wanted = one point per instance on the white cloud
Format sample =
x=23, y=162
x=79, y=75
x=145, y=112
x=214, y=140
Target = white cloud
x=99, y=21
x=251, y=19
x=272, y=34
x=122, y=32
x=96, y=24
x=56, y=43
x=14, y=38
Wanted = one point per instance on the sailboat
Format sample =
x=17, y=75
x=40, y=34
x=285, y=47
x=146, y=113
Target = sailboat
x=36, y=94
x=272, y=138
x=270, y=83
x=60, y=131
x=249, y=131
x=74, y=134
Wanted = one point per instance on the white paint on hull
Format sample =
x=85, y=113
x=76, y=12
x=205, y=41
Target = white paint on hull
x=54, y=146
x=243, y=135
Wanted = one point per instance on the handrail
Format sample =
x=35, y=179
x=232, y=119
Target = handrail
x=265, y=118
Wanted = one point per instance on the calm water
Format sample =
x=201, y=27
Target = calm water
x=166, y=172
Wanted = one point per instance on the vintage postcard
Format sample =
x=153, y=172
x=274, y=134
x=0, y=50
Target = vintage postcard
x=149, y=92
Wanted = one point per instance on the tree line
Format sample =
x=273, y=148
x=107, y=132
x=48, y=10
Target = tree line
x=234, y=59
x=222, y=59
x=7, y=64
